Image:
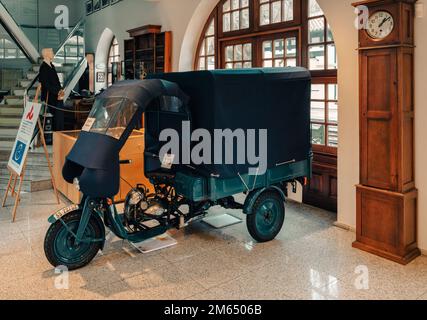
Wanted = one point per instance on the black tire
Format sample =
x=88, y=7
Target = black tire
x=59, y=245
x=262, y=225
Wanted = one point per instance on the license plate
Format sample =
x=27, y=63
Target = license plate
x=59, y=214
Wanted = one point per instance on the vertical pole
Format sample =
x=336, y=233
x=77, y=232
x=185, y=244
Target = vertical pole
x=14, y=185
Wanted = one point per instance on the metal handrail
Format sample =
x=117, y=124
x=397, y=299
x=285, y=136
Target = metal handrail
x=17, y=41
x=70, y=35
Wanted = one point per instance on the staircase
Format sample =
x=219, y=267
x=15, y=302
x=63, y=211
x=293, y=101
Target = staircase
x=37, y=176
x=70, y=64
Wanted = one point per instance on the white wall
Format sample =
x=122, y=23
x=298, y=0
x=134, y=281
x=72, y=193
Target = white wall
x=186, y=19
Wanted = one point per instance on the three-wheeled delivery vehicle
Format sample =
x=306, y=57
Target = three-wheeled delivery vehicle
x=276, y=101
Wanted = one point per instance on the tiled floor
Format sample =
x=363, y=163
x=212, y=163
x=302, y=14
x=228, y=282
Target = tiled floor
x=310, y=259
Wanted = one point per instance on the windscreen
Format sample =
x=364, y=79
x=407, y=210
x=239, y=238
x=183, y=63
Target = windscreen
x=111, y=116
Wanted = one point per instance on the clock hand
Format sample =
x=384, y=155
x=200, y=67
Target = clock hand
x=384, y=21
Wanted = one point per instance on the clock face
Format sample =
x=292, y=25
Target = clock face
x=380, y=25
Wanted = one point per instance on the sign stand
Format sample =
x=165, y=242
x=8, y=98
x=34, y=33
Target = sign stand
x=14, y=176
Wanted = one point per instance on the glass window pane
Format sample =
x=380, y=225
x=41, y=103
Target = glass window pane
x=1, y=53
x=238, y=65
x=291, y=47
x=317, y=57
x=211, y=63
x=317, y=111
x=211, y=29
x=264, y=14
x=226, y=23
x=333, y=136
x=229, y=53
x=267, y=63
x=235, y=20
x=279, y=48
x=244, y=3
x=238, y=52
x=333, y=112
x=332, y=57
x=245, y=19
x=318, y=134
x=202, y=63
x=226, y=6
x=267, y=51
x=291, y=62
x=318, y=92
x=316, y=30
x=279, y=63
x=288, y=10
x=314, y=9
x=234, y=4
x=203, y=48
x=228, y=66
x=247, y=51
x=329, y=34
x=211, y=45
x=332, y=91
x=247, y=65
x=276, y=8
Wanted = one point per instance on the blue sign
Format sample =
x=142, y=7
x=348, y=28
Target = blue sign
x=19, y=152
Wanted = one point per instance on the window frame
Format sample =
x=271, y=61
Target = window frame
x=255, y=33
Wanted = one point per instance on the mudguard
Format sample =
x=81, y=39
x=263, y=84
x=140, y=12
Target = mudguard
x=253, y=196
x=74, y=207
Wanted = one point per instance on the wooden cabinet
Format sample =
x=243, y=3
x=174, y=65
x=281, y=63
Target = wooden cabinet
x=150, y=48
x=386, y=196
x=131, y=174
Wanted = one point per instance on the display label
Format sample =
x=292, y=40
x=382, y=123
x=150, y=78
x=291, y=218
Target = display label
x=167, y=161
x=88, y=124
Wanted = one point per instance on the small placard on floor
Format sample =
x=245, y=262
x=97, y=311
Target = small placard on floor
x=221, y=220
x=154, y=244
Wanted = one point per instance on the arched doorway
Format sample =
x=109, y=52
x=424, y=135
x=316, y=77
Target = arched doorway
x=101, y=59
x=113, y=63
x=272, y=33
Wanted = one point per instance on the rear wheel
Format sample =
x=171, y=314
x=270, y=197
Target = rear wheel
x=60, y=247
x=268, y=215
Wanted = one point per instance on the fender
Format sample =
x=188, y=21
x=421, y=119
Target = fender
x=57, y=216
x=253, y=196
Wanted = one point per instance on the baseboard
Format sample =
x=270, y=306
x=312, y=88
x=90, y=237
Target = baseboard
x=344, y=226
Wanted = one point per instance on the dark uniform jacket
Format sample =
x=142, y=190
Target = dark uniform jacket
x=51, y=85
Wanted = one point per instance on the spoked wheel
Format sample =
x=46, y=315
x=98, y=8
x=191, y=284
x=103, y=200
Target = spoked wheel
x=60, y=246
x=266, y=221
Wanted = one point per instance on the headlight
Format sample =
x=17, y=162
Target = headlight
x=135, y=197
x=76, y=183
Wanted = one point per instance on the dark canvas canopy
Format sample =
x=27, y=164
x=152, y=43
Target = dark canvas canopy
x=276, y=99
x=94, y=159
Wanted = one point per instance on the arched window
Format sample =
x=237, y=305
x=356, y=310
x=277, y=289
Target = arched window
x=113, y=62
x=278, y=33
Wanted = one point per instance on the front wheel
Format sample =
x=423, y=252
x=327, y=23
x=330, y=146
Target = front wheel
x=268, y=215
x=60, y=247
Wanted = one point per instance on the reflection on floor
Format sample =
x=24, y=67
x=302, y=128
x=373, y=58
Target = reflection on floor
x=311, y=259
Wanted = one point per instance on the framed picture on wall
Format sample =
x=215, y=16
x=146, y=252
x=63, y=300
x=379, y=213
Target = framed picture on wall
x=105, y=3
x=96, y=5
x=100, y=77
x=89, y=7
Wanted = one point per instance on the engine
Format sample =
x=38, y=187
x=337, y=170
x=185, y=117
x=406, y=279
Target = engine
x=139, y=207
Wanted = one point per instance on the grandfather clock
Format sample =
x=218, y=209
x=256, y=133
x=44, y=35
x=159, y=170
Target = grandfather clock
x=386, y=196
